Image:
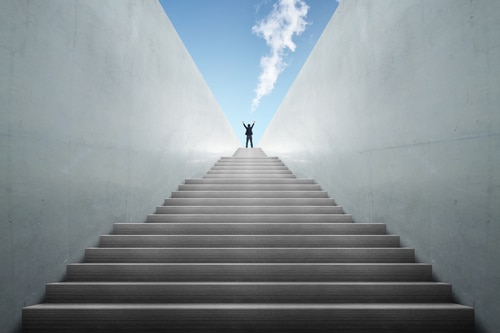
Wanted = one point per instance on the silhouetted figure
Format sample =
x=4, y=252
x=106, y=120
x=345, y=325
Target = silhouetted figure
x=249, y=133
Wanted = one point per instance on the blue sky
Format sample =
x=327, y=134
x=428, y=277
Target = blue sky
x=226, y=41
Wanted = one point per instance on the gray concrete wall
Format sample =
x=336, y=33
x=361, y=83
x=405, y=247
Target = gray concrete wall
x=102, y=114
x=396, y=114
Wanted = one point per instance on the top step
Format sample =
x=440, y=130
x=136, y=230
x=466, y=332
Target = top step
x=249, y=152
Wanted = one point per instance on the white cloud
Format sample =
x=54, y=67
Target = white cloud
x=278, y=28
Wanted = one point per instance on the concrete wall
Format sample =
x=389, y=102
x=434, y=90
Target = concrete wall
x=396, y=113
x=103, y=114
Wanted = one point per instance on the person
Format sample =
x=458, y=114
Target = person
x=249, y=133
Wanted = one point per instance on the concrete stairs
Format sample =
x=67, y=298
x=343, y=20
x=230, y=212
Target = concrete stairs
x=249, y=248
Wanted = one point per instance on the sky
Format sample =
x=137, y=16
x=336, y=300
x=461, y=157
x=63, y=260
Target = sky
x=249, y=51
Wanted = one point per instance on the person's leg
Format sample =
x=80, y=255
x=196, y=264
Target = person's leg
x=247, y=142
x=251, y=141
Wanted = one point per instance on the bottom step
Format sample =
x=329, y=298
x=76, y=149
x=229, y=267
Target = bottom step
x=248, y=318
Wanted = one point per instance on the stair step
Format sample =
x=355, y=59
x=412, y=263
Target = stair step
x=256, y=292
x=250, y=218
x=240, y=166
x=250, y=255
x=265, y=318
x=261, y=159
x=249, y=229
x=249, y=152
x=249, y=194
x=237, y=180
x=249, y=187
x=267, y=171
x=241, y=175
x=239, y=163
x=249, y=241
x=248, y=167
x=249, y=210
x=249, y=272
x=249, y=202
x=250, y=159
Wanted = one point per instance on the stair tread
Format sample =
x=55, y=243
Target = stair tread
x=246, y=254
x=340, y=224
x=248, y=228
x=258, y=248
x=266, y=180
x=253, y=292
x=248, y=194
x=249, y=272
x=234, y=306
x=251, y=187
x=252, y=209
x=254, y=236
x=246, y=283
x=293, y=217
x=255, y=202
x=250, y=240
x=251, y=317
x=334, y=218
x=253, y=264
x=349, y=225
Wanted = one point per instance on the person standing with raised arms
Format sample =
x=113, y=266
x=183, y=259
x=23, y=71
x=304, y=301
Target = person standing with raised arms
x=249, y=133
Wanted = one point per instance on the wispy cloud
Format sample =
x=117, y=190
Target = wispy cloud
x=285, y=20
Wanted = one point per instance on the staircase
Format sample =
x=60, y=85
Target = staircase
x=249, y=248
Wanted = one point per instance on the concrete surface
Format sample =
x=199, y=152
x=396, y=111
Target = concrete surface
x=103, y=114
x=337, y=273
x=396, y=114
